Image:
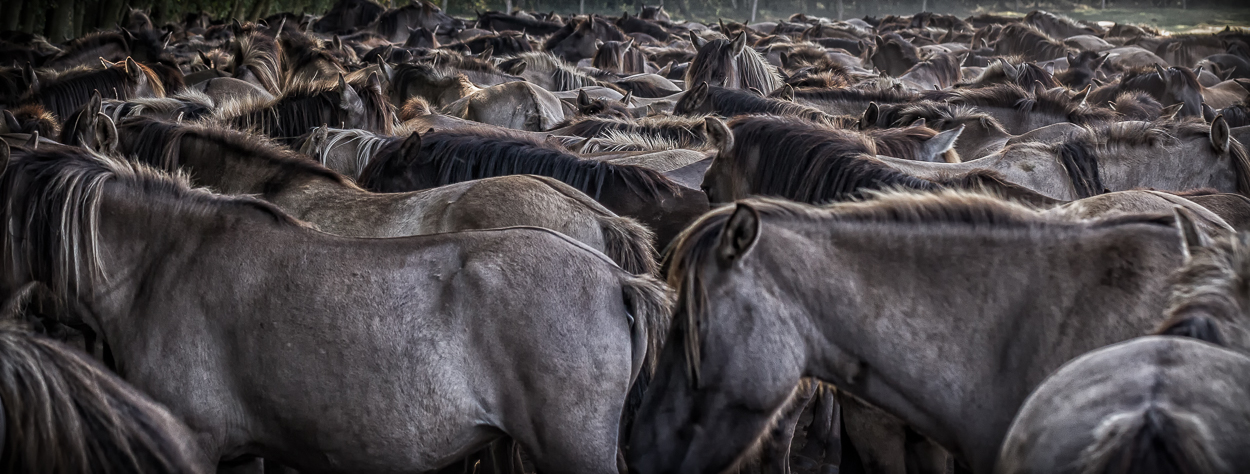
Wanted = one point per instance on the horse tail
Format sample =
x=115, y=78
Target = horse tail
x=1150, y=441
x=649, y=302
x=65, y=413
x=626, y=241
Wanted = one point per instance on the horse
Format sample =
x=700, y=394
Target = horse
x=894, y=55
x=1082, y=69
x=796, y=159
x=348, y=15
x=516, y=105
x=237, y=163
x=89, y=128
x=255, y=58
x=579, y=39
x=1022, y=110
x=362, y=312
x=69, y=90
x=1168, y=86
x=982, y=134
x=731, y=64
x=620, y=58
x=704, y=99
x=1152, y=404
x=1166, y=155
x=1003, y=72
x=309, y=105
x=1059, y=26
x=1030, y=44
x=146, y=46
x=452, y=156
x=65, y=413
x=552, y=73
x=881, y=329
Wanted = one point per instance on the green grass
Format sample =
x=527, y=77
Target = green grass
x=1175, y=20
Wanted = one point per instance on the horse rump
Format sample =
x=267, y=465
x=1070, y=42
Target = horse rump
x=1150, y=441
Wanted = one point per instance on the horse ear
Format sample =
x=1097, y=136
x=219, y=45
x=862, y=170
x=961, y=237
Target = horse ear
x=786, y=93
x=336, y=42
x=739, y=43
x=1170, y=111
x=410, y=150
x=629, y=97
x=697, y=40
x=1163, y=75
x=93, y=104
x=106, y=134
x=1012, y=72
x=1050, y=68
x=718, y=134
x=1071, y=59
x=374, y=82
x=236, y=27
x=1101, y=59
x=740, y=234
x=165, y=39
x=32, y=79
x=206, y=60
x=1082, y=95
x=4, y=156
x=128, y=35
x=1220, y=134
x=132, y=68
x=516, y=68
x=32, y=142
x=698, y=95
x=941, y=143
x=348, y=98
x=1208, y=113
x=487, y=53
x=1191, y=237
x=756, y=91
x=629, y=44
x=10, y=122
x=583, y=100
x=664, y=71
x=871, y=115
x=919, y=123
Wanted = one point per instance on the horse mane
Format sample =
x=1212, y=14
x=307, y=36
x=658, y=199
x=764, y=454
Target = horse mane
x=564, y=76
x=467, y=154
x=299, y=109
x=1209, y=284
x=160, y=146
x=259, y=54
x=1013, y=96
x=368, y=145
x=1137, y=105
x=67, y=413
x=55, y=191
x=937, y=115
x=457, y=60
x=89, y=42
x=63, y=94
x=1165, y=132
x=905, y=142
x=690, y=250
x=688, y=131
x=1078, y=155
x=730, y=102
x=1030, y=42
x=300, y=50
x=35, y=118
x=615, y=141
x=857, y=95
x=808, y=162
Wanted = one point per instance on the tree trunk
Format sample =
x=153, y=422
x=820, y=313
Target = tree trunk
x=60, y=26
x=259, y=10
x=755, y=4
x=840, y=10
x=581, y=7
x=237, y=11
x=30, y=17
x=110, y=12
x=10, y=14
x=507, y=6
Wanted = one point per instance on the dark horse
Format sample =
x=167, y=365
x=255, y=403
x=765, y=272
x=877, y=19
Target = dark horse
x=452, y=156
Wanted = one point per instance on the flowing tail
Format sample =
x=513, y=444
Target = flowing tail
x=629, y=244
x=1151, y=441
x=650, y=303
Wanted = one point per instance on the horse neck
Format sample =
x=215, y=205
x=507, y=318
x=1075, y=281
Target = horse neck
x=141, y=240
x=896, y=289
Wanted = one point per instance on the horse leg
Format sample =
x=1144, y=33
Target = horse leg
x=775, y=455
x=823, y=448
x=923, y=455
x=877, y=436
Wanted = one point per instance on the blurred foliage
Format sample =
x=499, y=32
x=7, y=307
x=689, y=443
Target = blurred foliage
x=63, y=19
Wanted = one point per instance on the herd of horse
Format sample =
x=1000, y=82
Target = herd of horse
x=393, y=240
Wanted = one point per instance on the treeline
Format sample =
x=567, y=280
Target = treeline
x=59, y=20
